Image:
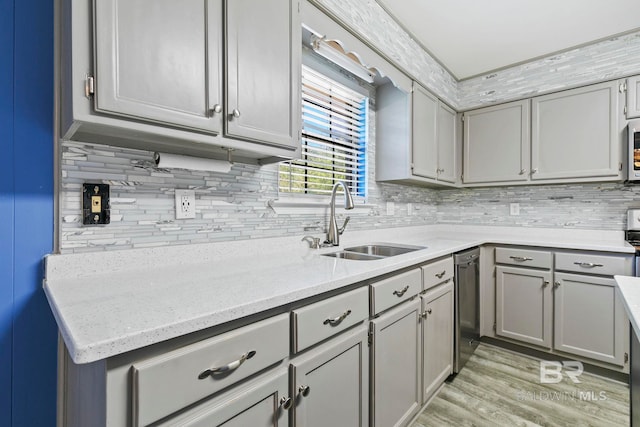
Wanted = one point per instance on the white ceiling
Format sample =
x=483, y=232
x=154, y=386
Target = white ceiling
x=472, y=37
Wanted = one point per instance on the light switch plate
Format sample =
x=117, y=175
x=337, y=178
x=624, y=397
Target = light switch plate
x=514, y=209
x=391, y=208
x=95, y=204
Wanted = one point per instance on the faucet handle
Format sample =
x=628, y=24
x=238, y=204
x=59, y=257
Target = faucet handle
x=344, y=225
x=314, y=242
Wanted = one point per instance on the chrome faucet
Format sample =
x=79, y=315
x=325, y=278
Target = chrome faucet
x=333, y=235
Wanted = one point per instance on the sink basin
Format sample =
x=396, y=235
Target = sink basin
x=374, y=251
x=384, y=250
x=353, y=255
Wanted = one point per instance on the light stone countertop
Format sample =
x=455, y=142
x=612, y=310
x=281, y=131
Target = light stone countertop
x=108, y=303
x=630, y=289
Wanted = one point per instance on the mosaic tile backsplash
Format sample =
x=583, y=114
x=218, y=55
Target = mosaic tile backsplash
x=239, y=205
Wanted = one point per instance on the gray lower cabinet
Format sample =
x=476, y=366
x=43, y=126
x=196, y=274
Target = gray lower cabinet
x=524, y=304
x=437, y=337
x=395, y=365
x=575, y=134
x=633, y=97
x=330, y=383
x=261, y=403
x=496, y=143
x=589, y=317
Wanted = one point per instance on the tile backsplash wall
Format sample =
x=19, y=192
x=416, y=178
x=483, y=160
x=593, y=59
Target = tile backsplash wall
x=236, y=205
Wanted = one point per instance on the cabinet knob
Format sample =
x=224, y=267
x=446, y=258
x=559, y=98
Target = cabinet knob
x=285, y=402
x=304, y=390
x=556, y=284
x=534, y=171
x=545, y=284
x=428, y=311
x=235, y=113
x=216, y=109
x=522, y=171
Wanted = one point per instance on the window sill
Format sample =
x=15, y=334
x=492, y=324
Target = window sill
x=303, y=205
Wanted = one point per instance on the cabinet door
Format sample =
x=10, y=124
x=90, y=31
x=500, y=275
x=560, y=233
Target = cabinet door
x=437, y=340
x=633, y=97
x=589, y=317
x=446, y=144
x=395, y=366
x=524, y=305
x=260, y=403
x=152, y=60
x=330, y=383
x=574, y=133
x=496, y=143
x=263, y=71
x=425, y=143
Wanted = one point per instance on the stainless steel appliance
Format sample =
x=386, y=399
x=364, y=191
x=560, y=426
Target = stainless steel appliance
x=633, y=171
x=467, y=309
x=633, y=237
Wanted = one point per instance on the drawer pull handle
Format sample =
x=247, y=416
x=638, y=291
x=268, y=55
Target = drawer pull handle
x=402, y=291
x=337, y=320
x=304, y=390
x=588, y=264
x=521, y=258
x=441, y=275
x=228, y=367
x=285, y=402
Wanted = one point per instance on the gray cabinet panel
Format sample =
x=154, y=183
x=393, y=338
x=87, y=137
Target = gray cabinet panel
x=589, y=317
x=425, y=141
x=437, y=340
x=524, y=305
x=257, y=404
x=336, y=375
x=633, y=97
x=496, y=143
x=447, y=137
x=395, y=366
x=151, y=60
x=574, y=133
x=263, y=70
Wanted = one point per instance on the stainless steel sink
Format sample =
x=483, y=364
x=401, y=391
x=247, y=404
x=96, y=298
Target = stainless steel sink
x=384, y=250
x=374, y=251
x=353, y=255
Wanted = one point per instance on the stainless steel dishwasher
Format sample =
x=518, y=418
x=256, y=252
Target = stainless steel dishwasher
x=467, y=310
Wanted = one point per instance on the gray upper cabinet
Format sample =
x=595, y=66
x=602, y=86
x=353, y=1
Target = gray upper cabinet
x=263, y=70
x=425, y=137
x=496, y=143
x=447, y=143
x=574, y=133
x=395, y=366
x=416, y=138
x=156, y=60
x=633, y=97
x=185, y=77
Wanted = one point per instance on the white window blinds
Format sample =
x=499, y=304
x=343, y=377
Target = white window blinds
x=334, y=136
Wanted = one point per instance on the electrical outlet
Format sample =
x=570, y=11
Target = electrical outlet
x=185, y=204
x=391, y=208
x=409, y=209
x=514, y=209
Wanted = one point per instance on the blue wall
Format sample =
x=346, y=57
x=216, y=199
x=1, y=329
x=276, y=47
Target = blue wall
x=28, y=338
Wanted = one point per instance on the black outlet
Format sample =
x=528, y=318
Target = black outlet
x=95, y=204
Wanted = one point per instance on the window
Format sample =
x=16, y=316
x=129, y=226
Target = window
x=334, y=139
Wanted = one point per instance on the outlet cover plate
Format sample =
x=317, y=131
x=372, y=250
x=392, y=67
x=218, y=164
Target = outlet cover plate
x=185, y=204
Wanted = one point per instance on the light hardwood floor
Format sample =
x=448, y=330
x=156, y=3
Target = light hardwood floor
x=501, y=388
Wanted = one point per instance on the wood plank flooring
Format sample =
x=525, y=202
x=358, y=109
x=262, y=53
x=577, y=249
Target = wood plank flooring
x=501, y=388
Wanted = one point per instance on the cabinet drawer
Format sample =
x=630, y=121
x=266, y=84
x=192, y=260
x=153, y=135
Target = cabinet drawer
x=603, y=264
x=523, y=257
x=394, y=290
x=169, y=382
x=437, y=272
x=316, y=322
